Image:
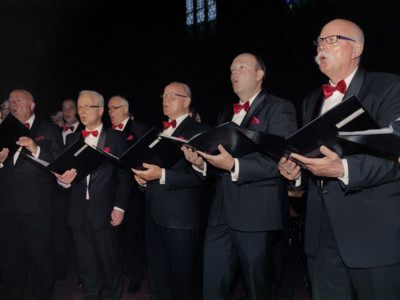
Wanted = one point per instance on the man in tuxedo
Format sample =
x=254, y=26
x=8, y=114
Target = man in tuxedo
x=26, y=200
x=352, y=221
x=62, y=235
x=174, y=209
x=247, y=207
x=132, y=229
x=98, y=202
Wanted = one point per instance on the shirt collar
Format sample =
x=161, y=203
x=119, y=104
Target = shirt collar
x=251, y=100
x=180, y=119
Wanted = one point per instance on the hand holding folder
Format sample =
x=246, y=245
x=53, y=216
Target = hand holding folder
x=10, y=131
x=225, y=134
x=348, y=115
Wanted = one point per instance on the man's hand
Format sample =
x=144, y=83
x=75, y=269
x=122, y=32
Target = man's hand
x=28, y=143
x=67, y=177
x=223, y=160
x=139, y=179
x=116, y=217
x=193, y=157
x=328, y=166
x=152, y=172
x=289, y=169
x=3, y=154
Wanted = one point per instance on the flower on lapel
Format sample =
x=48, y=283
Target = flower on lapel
x=181, y=137
x=39, y=138
x=107, y=149
x=129, y=138
x=255, y=121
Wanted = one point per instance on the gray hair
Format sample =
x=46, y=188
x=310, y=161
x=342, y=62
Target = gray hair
x=99, y=98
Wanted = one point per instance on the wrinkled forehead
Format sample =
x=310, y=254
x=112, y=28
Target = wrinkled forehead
x=115, y=101
x=87, y=99
x=20, y=95
x=175, y=88
x=244, y=59
x=339, y=27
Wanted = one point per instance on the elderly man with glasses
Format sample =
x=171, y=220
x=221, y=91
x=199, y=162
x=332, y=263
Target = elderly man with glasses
x=352, y=236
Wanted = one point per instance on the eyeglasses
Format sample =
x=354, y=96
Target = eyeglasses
x=331, y=39
x=172, y=96
x=81, y=107
x=112, y=108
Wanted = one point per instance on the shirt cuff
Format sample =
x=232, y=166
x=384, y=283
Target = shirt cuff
x=64, y=185
x=235, y=172
x=37, y=153
x=120, y=209
x=297, y=182
x=203, y=172
x=162, y=179
x=345, y=177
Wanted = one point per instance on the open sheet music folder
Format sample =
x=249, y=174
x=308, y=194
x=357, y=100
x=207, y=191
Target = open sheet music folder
x=349, y=115
x=80, y=156
x=10, y=131
x=225, y=134
x=386, y=139
x=152, y=149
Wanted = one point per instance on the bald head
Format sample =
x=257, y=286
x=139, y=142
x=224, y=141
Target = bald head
x=339, y=59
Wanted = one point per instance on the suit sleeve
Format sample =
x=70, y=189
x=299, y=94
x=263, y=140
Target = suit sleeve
x=125, y=180
x=280, y=120
x=367, y=170
x=182, y=176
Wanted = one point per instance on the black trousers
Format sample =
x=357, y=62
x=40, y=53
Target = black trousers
x=225, y=250
x=172, y=262
x=99, y=264
x=26, y=246
x=331, y=279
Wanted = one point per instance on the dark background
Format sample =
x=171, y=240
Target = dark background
x=55, y=48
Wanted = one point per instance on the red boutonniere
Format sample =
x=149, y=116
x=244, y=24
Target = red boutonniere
x=181, y=137
x=255, y=121
x=107, y=149
x=129, y=138
x=39, y=138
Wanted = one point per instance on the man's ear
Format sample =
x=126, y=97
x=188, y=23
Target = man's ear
x=357, y=50
x=260, y=74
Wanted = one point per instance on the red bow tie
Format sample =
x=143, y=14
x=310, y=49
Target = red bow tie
x=86, y=133
x=169, y=124
x=328, y=89
x=120, y=126
x=68, y=128
x=238, y=107
x=27, y=125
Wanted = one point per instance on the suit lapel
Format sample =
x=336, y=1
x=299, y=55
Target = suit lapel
x=254, y=108
x=178, y=131
x=355, y=84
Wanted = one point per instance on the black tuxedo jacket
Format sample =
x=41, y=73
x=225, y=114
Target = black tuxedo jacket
x=254, y=202
x=134, y=130
x=70, y=138
x=109, y=186
x=365, y=213
x=26, y=188
x=177, y=204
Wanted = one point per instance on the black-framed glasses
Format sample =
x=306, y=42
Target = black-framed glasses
x=172, y=96
x=80, y=107
x=331, y=39
x=116, y=107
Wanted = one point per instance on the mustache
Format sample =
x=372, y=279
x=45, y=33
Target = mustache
x=324, y=54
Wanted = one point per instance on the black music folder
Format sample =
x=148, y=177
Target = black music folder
x=386, y=140
x=10, y=131
x=225, y=134
x=152, y=149
x=349, y=115
x=80, y=156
